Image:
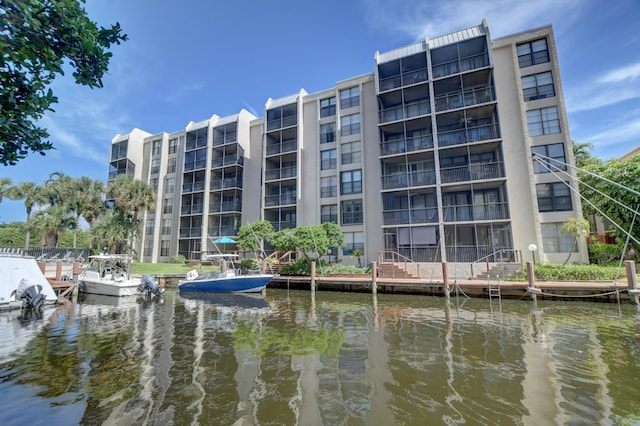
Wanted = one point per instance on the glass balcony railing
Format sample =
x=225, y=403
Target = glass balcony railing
x=400, y=146
x=471, y=212
x=463, y=64
x=471, y=172
x=469, y=135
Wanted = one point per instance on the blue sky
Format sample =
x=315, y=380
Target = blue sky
x=188, y=60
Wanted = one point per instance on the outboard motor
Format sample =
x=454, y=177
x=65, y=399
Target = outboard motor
x=150, y=286
x=31, y=294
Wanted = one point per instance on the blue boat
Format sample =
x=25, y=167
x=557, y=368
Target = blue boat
x=228, y=280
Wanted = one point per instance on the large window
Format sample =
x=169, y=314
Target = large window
x=349, y=97
x=553, y=197
x=169, y=185
x=154, y=182
x=327, y=132
x=351, y=182
x=166, y=226
x=350, y=125
x=553, y=241
x=151, y=224
x=173, y=146
x=164, y=247
x=156, y=146
x=328, y=159
x=351, y=212
x=328, y=186
x=353, y=241
x=532, y=53
x=148, y=247
x=171, y=165
x=538, y=86
x=329, y=213
x=551, y=158
x=350, y=153
x=543, y=121
x=167, y=206
x=327, y=107
x=155, y=166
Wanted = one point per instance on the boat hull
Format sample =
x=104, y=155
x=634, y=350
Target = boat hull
x=238, y=284
x=110, y=289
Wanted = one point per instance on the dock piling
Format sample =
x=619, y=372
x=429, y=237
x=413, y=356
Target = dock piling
x=630, y=268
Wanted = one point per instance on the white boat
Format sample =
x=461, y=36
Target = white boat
x=228, y=280
x=22, y=283
x=110, y=275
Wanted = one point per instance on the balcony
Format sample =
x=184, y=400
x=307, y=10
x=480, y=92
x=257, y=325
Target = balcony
x=282, y=122
x=191, y=209
x=224, y=139
x=282, y=173
x=400, y=146
x=280, y=199
x=409, y=110
x=234, y=160
x=472, y=134
x=460, y=65
x=285, y=146
x=464, y=99
x=190, y=232
x=471, y=172
x=193, y=187
x=222, y=231
x=477, y=212
x=227, y=206
x=404, y=180
x=226, y=183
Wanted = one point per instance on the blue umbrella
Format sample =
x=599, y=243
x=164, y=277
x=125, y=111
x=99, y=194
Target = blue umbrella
x=224, y=240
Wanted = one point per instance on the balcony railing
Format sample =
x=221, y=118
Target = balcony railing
x=279, y=226
x=406, y=79
x=193, y=186
x=227, y=161
x=285, y=146
x=466, y=98
x=222, y=140
x=227, y=206
x=283, y=173
x=476, y=212
x=472, y=172
x=190, y=232
x=409, y=110
x=222, y=231
x=464, y=64
x=404, y=180
x=472, y=134
x=399, y=146
x=280, y=123
x=410, y=216
x=279, y=200
x=191, y=209
x=226, y=183
x=200, y=164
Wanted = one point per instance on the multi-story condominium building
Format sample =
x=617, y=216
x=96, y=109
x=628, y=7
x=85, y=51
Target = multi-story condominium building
x=453, y=149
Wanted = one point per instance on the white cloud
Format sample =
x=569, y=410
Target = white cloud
x=624, y=131
x=608, y=89
x=621, y=75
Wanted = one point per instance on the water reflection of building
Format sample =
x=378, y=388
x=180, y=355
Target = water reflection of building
x=430, y=155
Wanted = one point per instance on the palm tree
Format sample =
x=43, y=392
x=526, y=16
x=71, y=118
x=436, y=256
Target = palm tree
x=52, y=222
x=110, y=230
x=357, y=253
x=578, y=227
x=5, y=185
x=93, y=204
x=32, y=194
x=132, y=197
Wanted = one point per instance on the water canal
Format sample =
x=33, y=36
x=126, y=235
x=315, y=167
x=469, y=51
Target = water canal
x=329, y=359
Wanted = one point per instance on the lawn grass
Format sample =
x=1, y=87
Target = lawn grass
x=165, y=268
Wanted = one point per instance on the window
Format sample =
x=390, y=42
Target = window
x=350, y=153
x=350, y=125
x=538, y=86
x=154, y=183
x=349, y=98
x=173, y=146
x=327, y=107
x=168, y=206
x=351, y=182
x=166, y=226
x=170, y=185
x=553, y=241
x=553, y=197
x=164, y=247
x=328, y=186
x=328, y=159
x=351, y=212
x=327, y=132
x=329, y=213
x=156, y=146
x=155, y=166
x=555, y=160
x=353, y=241
x=151, y=224
x=148, y=247
x=196, y=159
x=543, y=121
x=171, y=165
x=532, y=53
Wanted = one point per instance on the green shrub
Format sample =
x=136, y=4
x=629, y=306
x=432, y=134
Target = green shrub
x=601, y=254
x=574, y=273
x=178, y=259
x=249, y=264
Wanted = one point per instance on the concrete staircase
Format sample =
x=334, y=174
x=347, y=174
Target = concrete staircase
x=501, y=270
x=394, y=270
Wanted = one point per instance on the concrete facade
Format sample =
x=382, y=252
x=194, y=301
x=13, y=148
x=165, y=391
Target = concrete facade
x=452, y=149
